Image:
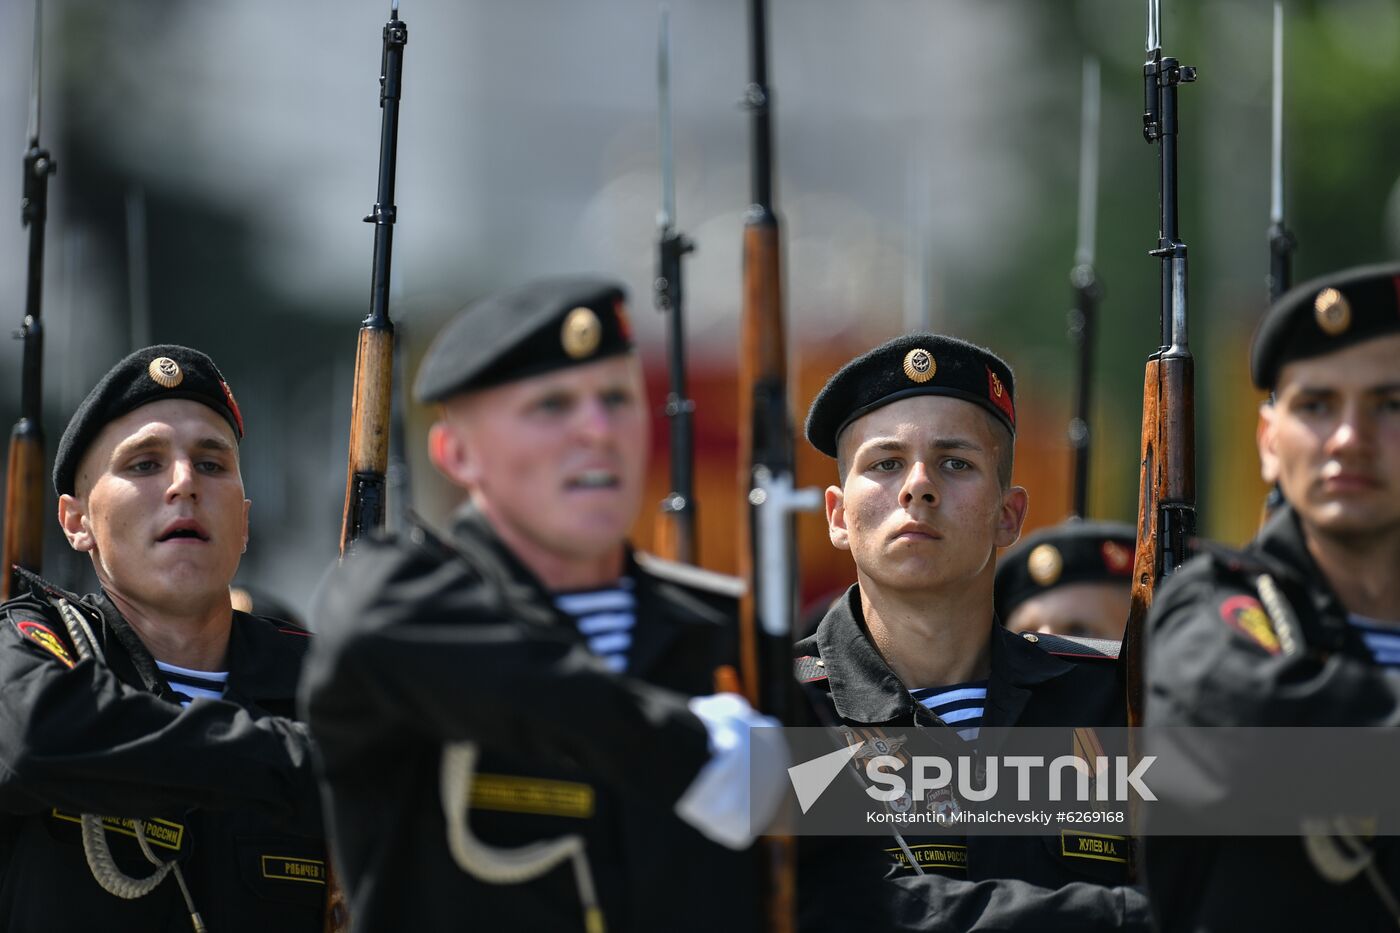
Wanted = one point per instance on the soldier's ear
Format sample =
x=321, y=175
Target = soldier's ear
x=836, y=518
x=451, y=454
x=1264, y=437
x=72, y=518
x=1014, y=504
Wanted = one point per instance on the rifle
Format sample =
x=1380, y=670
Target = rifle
x=1087, y=291
x=1281, y=241
x=766, y=462
x=374, y=356
x=676, y=536
x=370, y=423
x=24, y=483
x=1167, y=497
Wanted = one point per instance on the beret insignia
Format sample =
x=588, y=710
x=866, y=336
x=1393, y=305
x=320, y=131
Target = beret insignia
x=997, y=394
x=165, y=372
x=1117, y=558
x=919, y=365
x=1045, y=564
x=1245, y=615
x=624, y=323
x=582, y=332
x=233, y=406
x=43, y=636
x=1332, y=311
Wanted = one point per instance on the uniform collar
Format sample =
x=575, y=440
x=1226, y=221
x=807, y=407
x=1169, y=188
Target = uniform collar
x=864, y=689
x=1282, y=539
x=263, y=662
x=655, y=625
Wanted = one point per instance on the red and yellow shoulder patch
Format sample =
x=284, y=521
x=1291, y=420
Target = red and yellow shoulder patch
x=1245, y=615
x=43, y=636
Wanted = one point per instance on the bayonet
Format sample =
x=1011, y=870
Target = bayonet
x=1087, y=291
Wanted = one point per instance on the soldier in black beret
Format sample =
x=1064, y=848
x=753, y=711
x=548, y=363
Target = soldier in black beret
x=577, y=668
x=1074, y=578
x=153, y=697
x=922, y=429
x=1301, y=627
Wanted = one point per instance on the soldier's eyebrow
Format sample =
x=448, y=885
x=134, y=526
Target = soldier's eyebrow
x=894, y=445
x=139, y=445
x=213, y=443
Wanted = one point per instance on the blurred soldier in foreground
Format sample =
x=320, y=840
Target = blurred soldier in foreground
x=153, y=698
x=1069, y=579
x=922, y=430
x=566, y=660
x=1301, y=628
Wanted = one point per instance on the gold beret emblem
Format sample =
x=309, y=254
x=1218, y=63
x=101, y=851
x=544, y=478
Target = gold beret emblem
x=997, y=388
x=1332, y=311
x=582, y=333
x=165, y=372
x=919, y=365
x=1045, y=564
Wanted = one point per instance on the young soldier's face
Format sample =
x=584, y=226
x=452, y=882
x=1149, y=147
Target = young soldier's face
x=1331, y=439
x=556, y=462
x=921, y=507
x=159, y=505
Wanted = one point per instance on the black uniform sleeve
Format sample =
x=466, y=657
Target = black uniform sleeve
x=411, y=644
x=935, y=903
x=1213, y=660
x=79, y=738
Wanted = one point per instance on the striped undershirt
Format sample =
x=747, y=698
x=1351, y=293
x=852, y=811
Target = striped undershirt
x=959, y=705
x=604, y=618
x=191, y=684
x=1383, y=638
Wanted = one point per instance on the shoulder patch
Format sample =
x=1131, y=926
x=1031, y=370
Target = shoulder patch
x=43, y=636
x=809, y=669
x=691, y=576
x=1246, y=615
x=1074, y=646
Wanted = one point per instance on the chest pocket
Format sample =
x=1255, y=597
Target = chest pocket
x=286, y=869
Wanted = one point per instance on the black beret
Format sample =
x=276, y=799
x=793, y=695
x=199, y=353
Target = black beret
x=915, y=364
x=1325, y=315
x=151, y=375
x=1075, y=551
x=537, y=328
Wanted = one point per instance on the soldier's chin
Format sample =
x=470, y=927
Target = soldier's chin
x=1352, y=516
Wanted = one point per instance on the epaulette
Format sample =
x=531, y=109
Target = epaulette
x=809, y=669
x=690, y=576
x=1074, y=646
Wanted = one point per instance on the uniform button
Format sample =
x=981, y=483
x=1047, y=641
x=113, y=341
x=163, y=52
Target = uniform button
x=1030, y=636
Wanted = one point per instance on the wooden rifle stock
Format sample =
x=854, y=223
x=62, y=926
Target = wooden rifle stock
x=24, y=504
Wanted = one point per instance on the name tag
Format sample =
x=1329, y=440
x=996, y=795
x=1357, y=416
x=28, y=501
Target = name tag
x=287, y=868
x=1097, y=846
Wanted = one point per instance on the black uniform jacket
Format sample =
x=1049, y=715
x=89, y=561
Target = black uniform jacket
x=996, y=882
x=227, y=787
x=1214, y=659
x=422, y=642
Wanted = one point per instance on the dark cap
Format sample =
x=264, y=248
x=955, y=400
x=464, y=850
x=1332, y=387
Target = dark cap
x=1325, y=315
x=1075, y=551
x=154, y=374
x=915, y=364
x=537, y=328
